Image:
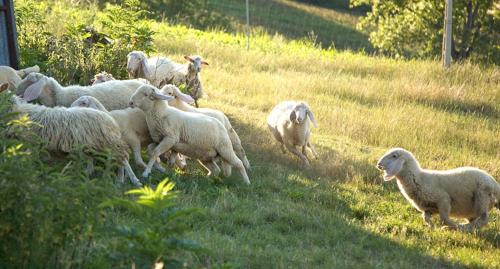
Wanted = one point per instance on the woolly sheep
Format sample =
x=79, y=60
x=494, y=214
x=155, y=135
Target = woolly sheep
x=161, y=71
x=289, y=125
x=464, y=192
x=194, y=135
x=64, y=128
x=112, y=94
x=132, y=123
x=181, y=102
x=13, y=77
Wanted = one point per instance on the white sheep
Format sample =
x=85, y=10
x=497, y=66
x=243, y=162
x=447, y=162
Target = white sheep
x=135, y=133
x=289, y=125
x=194, y=135
x=464, y=192
x=161, y=71
x=181, y=101
x=14, y=77
x=112, y=94
x=65, y=128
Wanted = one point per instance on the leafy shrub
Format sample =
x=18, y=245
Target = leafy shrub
x=76, y=56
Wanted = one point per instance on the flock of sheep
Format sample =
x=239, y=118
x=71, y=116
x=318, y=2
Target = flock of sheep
x=150, y=111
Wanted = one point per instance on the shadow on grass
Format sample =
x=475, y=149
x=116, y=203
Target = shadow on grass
x=294, y=23
x=280, y=221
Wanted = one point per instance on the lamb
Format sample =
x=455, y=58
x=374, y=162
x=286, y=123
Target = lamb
x=181, y=102
x=464, y=192
x=14, y=77
x=132, y=123
x=289, y=125
x=161, y=71
x=64, y=128
x=112, y=94
x=194, y=135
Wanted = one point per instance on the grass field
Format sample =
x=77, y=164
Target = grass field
x=339, y=213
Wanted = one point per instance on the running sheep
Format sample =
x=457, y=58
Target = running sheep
x=464, y=192
x=194, y=135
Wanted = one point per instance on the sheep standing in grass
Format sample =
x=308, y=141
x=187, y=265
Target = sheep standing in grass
x=181, y=101
x=132, y=122
x=112, y=94
x=463, y=192
x=191, y=134
x=13, y=77
x=65, y=128
x=161, y=71
x=289, y=125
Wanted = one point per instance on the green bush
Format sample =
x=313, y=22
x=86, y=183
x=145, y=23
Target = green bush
x=75, y=56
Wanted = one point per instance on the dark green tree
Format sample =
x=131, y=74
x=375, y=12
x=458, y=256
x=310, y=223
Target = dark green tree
x=415, y=28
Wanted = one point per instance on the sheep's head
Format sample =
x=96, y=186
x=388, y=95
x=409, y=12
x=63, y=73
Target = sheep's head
x=34, y=86
x=172, y=90
x=88, y=101
x=393, y=161
x=145, y=96
x=137, y=64
x=300, y=113
x=102, y=77
x=195, y=63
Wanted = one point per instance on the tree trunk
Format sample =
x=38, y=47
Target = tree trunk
x=447, y=34
x=467, y=42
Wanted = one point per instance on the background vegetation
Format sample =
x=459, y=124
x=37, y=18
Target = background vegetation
x=339, y=214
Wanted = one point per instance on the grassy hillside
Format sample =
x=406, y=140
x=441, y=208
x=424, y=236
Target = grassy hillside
x=339, y=213
x=333, y=25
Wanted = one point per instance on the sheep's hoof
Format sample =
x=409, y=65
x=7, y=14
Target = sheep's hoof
x=136, y=182
x=160, y=168
x=145, y=174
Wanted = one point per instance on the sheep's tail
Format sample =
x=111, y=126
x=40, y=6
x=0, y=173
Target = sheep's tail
x=23, y=72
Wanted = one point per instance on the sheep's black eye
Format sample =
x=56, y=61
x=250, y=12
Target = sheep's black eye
x=394, y=156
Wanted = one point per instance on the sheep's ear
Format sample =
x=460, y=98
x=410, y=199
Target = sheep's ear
x=159, y=96
x=203, y=62
x=311, y=117
x=144, y=66
x=4, y=87
x=183, y=97
x=293, y=116
x=188, y=58
x=33, y=91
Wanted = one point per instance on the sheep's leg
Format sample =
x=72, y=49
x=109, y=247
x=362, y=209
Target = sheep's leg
x=294, y=150
x=130, y=174
x=228, y=155
x=481, y=205
x=427, y=216
x=212, y=167
x=121, y=175
x=136, y=150
x=157, y=165
x=313, y=150
x=283, y=148
x=227, y=169
x=165, y=145
x=89, y=170
x=444, y=213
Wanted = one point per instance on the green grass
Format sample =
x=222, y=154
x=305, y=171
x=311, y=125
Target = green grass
x=334, y=25
x=339, y=214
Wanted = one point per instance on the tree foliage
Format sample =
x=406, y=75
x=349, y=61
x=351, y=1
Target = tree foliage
x=415, y=28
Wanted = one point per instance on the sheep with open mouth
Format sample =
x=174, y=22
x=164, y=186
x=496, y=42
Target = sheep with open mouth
x=464, y=192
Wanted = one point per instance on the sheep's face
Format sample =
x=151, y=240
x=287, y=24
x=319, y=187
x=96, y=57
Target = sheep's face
x=145, y=96
x=300, y=113
x=136, y=61
x=174, y=92
x=195, y=63
x=392, y=163
x=34, y=87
